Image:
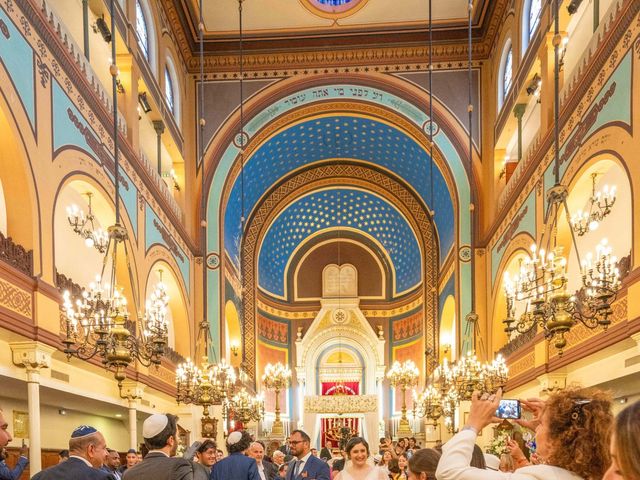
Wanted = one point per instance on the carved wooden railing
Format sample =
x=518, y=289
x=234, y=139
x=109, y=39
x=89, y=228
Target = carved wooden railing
x=517, y=343
x=16, y=255
x=173, y=356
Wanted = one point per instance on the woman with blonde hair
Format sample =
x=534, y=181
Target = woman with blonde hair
x=625, y=445
x=572, y=434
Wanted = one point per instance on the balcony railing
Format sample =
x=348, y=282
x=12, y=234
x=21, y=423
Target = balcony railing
x=517, y=343
x=162, y=186
x=16, y=255
x=84, y=65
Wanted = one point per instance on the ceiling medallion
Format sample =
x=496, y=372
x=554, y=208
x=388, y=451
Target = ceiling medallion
x=340, y=316
x=333, y=8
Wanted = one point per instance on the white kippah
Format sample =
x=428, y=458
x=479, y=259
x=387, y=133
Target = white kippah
x=492, y=461
x=234, y=437
x=153, y=425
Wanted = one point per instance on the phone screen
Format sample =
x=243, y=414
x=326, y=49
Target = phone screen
x=508, y=409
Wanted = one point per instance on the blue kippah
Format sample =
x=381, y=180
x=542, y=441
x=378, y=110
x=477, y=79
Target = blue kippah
x=83, y=431
x=132, y=450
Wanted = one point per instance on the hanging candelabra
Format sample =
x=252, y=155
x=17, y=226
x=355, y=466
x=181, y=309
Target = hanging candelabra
x=277, y=378
x=600, y=204
x=205, y=385
x=428, y=404
x=540, y=287
x=243, y=407
x=97, y=323
x=404, y=376
x=84, y=225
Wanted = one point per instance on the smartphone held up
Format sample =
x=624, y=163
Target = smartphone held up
x=509, y=409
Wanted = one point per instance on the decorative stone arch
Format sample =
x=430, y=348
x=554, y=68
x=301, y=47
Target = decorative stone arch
x=577, y=178
x=310, y=349
x=24, y=222
x=518, y=247
x=106, y=194
x=331, y=174
x=180, y=329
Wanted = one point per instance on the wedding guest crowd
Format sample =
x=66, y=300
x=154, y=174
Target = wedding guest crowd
x=576, y=437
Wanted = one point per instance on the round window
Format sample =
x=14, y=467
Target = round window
x=333, y=8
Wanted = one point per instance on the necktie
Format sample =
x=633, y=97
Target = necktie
x=298, y=467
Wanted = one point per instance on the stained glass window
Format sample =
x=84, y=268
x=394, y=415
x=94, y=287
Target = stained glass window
x=535, y=8
x=507, y=75
x=141, y=30
x=168, y=90
x=335, y=6
x=334, y=2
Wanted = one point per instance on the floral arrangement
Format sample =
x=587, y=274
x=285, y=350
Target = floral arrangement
x=498, y=445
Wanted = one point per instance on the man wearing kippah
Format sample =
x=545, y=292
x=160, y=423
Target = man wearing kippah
x=160, y=437
x=87, y=454
x=236, y=466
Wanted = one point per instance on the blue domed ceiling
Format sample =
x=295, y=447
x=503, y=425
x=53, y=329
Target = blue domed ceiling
x=340, y=137
x=330, y=209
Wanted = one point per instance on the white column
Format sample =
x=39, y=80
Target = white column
x=132, y=391
x=33, y=356
x=33, y=399
x=133, y=425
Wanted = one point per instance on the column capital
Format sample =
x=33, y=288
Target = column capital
x=132, y=391
x=519, y=109
x=551, y=382
x=158, y=126
x=32, y=356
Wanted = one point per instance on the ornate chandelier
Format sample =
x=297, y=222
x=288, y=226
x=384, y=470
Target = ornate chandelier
x=428, y=404
x=205, y=385
x=600, y=204
x=277, y=378
x=468, y=375
x=403, y=375
x=84, y=226
x=541, y=284
x=97, y=323
x=244, y=407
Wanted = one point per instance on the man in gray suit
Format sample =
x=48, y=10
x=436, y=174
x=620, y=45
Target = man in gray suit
x=160, y=437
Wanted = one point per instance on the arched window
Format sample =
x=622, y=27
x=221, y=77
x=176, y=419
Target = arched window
x=141, y=30
x=168, y=90
x=530, y=21
x=505, y=73
x=145, y=32
x=171, y=90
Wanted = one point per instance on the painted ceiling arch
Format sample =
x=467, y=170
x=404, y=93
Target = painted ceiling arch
x=339, y=136
x=339, y=208
x=381, y=96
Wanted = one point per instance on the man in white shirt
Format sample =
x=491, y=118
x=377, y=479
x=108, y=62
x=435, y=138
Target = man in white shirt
x=266, y=470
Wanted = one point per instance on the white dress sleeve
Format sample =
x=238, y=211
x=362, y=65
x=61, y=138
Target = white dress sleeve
x=456, y=457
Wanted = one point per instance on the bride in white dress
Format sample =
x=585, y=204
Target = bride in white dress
x=357, y=467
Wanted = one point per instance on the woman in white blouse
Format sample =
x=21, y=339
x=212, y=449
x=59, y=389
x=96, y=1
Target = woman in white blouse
x=572, y=435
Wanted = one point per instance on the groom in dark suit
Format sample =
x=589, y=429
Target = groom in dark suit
x=305, y=466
